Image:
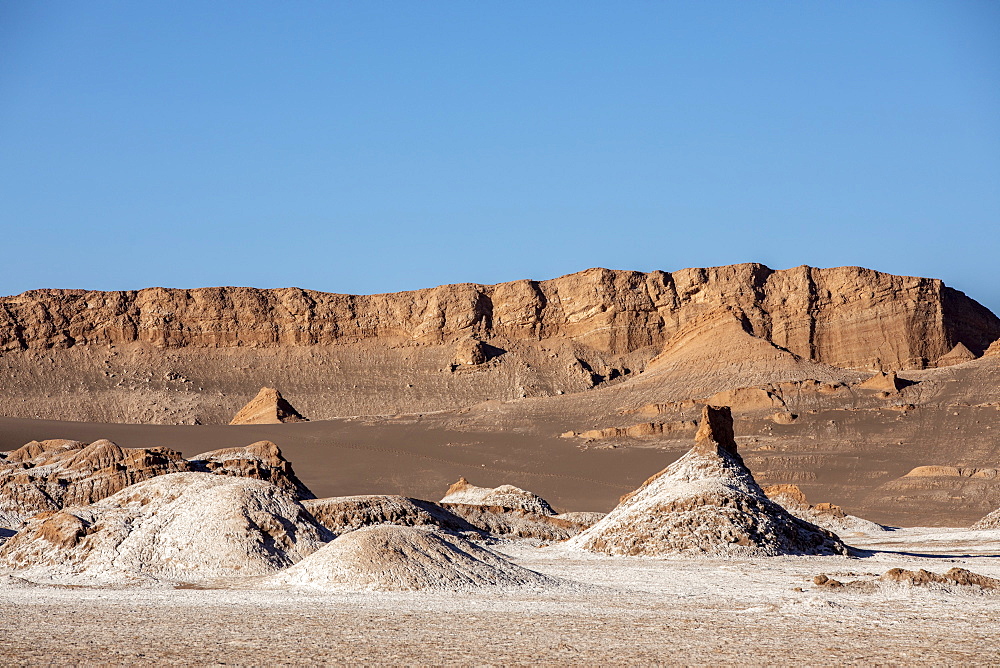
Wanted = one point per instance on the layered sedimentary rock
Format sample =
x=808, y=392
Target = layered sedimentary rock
x=845, y=316
x=53, y=474
x=707, y=502
x=183, y=527
x=349, y=513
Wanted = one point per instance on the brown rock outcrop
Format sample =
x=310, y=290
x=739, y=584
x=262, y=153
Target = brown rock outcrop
x=50, y=475
x=268, y=407
x=641, y=430
x=505, y=496
x=349, y=513
x=883, y=382
x=954, y=576
x=957, y=355
x=845, y=316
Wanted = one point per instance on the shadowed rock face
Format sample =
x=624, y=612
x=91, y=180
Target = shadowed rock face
x=845, y=316
x=50, y=475
x=707, y=502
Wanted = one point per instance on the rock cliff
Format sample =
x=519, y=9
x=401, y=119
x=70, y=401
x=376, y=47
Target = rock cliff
x=844, y=316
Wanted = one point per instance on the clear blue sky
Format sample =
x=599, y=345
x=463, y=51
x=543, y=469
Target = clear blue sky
x=379, y=146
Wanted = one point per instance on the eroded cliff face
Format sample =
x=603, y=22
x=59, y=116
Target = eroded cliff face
x=847, y=316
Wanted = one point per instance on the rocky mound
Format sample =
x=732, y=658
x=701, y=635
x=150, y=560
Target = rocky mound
x=184, y=527
x=506, y=496
x=957, y=355
x=954, y=576
x=517, y=522
x=53, y=474
x=991, y=521
x=707, y=502
x=261, y=460
x=396, y=558
x=268, y=407
x=348, y=513
x=826, y=515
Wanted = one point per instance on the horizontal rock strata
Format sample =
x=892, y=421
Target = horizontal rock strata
x=845, y=316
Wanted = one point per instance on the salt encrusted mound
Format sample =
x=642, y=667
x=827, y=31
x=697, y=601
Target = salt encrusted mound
x=50, y=475
x=348, y=513
x=268, y=407
x=991, y=521
x=826, y=515
x=707, y=502
x=506, y=496
x=397, y=558
x=183, y=527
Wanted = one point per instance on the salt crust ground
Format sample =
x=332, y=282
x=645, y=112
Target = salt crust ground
x=637, y=611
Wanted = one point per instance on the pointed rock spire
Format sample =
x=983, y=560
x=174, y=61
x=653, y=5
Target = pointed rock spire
x=268, y=407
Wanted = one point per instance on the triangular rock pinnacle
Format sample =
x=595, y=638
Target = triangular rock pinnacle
x=268, y=407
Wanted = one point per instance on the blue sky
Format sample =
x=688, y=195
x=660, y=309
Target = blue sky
x=381, y=146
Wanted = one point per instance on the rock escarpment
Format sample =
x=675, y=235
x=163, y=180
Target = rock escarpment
x=707, y=502
x=53, y=474
x=844, y=316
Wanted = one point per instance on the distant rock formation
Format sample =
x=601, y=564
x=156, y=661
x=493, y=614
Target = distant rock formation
x=506, y=496
x=268, y=407
x=184, y=527
x=707, y=502
x=350, y=513
x=399, y=558
x=884, y=382
x=53, y=474
x=826, y=515
x=957, y=355
x=846, y=316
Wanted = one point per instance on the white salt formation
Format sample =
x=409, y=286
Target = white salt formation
x=707, y=502
x=398, y=558
x=182, y=527
x=506, y=496
x=991, y=521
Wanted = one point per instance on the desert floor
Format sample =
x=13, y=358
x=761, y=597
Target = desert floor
x=615, y=611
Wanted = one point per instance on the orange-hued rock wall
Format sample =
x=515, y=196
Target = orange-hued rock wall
x=845, y=316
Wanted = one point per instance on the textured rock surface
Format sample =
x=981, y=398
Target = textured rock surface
x=845, y=316
x=707, y=502
x=53, y=474
x=268, y=407
x=991, y=521
x=826, y=515
x=349, y=513
x=505, y=496
x=398, y=558
x=184, y=527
